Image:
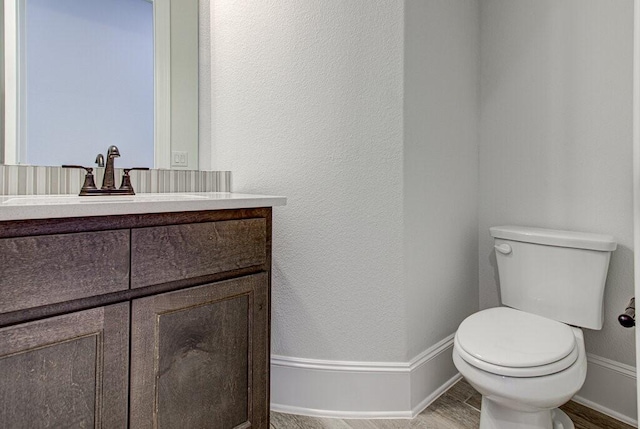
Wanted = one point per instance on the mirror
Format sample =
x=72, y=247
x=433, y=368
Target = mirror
x=81, y=75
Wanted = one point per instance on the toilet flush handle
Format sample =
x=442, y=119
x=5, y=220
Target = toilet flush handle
x=505, y=249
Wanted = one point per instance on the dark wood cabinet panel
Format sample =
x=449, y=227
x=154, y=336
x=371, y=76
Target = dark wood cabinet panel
x=136, y=321
x=176, y=252
x=66, y=371
x=199, y=356
x=48, y=269
x=195, y=343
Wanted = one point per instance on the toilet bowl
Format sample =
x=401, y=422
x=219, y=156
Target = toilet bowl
x=520, y=389
x=528, y=357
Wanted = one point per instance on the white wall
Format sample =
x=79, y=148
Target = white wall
x=307, y=103
x=556, y=135
x=440, y=167
x=366, y=115
x=358, y=112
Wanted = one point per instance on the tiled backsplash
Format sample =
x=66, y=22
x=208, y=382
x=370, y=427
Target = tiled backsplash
x=32, y=180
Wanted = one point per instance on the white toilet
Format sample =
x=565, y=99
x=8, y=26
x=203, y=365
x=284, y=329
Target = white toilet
x=527, y=359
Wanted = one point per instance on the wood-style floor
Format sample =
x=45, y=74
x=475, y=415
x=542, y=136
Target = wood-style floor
x=458, y=408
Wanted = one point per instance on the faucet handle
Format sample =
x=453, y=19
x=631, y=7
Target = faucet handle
x=89, y=182
x=89, y=169
x=126, y=179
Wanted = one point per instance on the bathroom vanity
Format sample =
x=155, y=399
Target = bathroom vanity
x=142, y=316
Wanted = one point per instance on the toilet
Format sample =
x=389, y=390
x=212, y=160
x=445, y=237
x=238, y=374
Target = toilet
x=528, y=357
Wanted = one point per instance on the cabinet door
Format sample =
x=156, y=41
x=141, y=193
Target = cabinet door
x=66, y=371
x=200, y=357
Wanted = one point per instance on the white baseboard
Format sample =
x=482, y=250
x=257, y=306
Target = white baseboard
x=432, y=373
x=366, y=390
x=610, y=388
x=382, y=390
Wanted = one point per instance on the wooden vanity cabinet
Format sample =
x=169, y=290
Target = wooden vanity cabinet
x=66, y=371
x=184, y=345
x=193, y=348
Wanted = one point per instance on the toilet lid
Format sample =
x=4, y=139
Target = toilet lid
x=505, y=337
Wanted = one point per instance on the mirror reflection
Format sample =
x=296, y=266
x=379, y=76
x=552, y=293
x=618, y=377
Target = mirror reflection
x=88, y=80
x=81, y=75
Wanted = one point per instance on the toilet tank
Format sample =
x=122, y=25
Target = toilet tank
x=555, y=274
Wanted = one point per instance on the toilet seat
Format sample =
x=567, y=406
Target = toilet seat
x=509, y=342
x=534, y=371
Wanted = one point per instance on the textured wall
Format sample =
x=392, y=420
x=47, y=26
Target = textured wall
x=440, y=167
x=376, y=252
x=307, y=103
x=556, y=135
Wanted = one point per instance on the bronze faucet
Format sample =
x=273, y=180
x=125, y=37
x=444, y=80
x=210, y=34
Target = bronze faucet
x=108, y=182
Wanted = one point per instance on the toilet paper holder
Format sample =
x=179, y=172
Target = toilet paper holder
x=628, y=318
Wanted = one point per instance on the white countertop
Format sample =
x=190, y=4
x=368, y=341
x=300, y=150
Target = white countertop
x=20, y=207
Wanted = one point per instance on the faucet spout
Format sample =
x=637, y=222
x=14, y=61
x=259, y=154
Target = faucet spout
x=109, y=180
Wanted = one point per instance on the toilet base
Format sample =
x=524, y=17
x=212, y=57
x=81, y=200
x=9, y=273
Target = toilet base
x=497, y=416
x=561, y=420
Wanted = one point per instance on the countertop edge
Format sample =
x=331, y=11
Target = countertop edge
x=15, y=208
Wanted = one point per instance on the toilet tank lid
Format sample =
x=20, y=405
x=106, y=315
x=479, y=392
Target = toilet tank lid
x=553, y=237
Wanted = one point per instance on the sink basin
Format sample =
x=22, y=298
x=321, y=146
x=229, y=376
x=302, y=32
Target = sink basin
x=74, y=199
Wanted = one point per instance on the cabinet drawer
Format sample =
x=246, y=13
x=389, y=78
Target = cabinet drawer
x=42, y=270
x=176, y=252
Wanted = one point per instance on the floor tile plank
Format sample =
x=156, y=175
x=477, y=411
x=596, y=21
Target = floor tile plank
x=294, y=421
x=586, y=418
x=458, y=408
x=475, y=401
x=461, y=391
x=361, y=424
x=450, y=413
x=380, y=424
